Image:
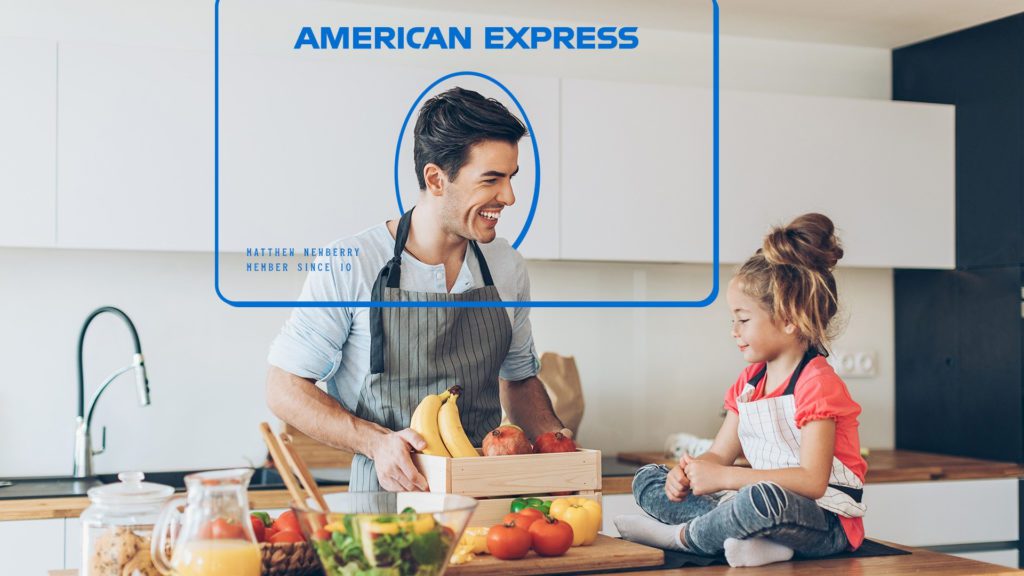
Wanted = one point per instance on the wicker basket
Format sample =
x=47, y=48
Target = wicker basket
x=289, y=559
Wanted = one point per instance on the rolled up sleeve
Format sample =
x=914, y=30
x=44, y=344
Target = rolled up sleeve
x=521, y=361
x=310, y=342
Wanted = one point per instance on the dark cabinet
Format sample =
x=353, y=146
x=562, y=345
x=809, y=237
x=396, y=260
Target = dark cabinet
x=981, y=71
x=959, y=368
x=960, y=333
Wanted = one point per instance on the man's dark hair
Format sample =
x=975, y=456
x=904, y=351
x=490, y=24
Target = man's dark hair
x=450, y=123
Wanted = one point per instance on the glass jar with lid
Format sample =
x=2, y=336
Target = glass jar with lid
x=117, y=527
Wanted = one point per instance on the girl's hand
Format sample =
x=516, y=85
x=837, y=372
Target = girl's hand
x=677, y=485
x=705, y=477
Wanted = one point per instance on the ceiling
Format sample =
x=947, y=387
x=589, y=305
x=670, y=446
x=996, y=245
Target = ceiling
x=875, y=23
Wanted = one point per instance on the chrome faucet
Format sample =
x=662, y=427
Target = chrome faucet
x=83, y=440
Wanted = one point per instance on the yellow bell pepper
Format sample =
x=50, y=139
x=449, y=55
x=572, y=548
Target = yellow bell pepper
x=583, y=514
x=421, y=525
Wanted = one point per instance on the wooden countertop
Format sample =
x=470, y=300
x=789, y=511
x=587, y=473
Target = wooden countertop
x=883, y=466
x=44, y=508
x=918, y=562
x=898, y=466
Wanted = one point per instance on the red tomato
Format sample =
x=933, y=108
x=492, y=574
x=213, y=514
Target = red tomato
x=519, y=519
x=508, y=542
x=531, y=513
x=287, y=521
x=269, y=533
x=321, y=535
x=286, y=536
x=258, y=529
x=551, y=537
x=221, y=529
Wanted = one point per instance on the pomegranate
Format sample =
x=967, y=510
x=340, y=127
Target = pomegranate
x=506, y=440
x=553, y=442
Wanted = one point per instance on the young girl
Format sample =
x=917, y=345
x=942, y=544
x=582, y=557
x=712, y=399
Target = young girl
x=788, y=413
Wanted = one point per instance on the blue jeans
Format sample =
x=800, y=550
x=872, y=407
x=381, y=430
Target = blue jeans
x=764, y=509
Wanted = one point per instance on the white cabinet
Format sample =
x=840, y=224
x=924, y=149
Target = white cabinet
x=73, y=543
x=306, y=159
x=135, y=147
x=613, y=505
x=941, y=513
x=28, y=142
x=637, y=173
x=883, y=171
x=32, y=546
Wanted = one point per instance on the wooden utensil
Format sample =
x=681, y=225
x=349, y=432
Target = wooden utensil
x=286, y=462
x=299, y=466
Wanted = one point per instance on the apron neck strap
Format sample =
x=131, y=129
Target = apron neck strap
x=390, y=276
x=811, y=353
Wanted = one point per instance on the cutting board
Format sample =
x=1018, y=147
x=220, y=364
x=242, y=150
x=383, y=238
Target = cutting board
x=606, y=553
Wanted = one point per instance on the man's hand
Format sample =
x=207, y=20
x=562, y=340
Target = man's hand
x=677, y=485
x=705, y=477
x=395, y=470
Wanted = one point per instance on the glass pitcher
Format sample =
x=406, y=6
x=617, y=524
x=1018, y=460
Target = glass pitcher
x=213, y=536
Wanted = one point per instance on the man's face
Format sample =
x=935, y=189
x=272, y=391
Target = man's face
x=472, y=203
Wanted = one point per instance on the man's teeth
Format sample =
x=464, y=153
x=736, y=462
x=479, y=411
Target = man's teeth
x=490, y=215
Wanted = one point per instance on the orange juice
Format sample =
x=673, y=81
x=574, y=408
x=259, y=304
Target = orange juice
x=216, y=558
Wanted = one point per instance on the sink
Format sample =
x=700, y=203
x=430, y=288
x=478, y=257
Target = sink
x=66, y=486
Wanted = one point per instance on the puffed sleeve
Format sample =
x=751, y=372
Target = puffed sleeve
x=824, y=397
x=736, y=389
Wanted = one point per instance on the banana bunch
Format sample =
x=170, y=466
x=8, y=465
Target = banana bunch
x=437, y=420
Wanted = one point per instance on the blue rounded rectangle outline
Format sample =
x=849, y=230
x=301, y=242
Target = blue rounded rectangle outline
x=481, y=304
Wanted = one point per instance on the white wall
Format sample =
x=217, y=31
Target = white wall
x=646, y=374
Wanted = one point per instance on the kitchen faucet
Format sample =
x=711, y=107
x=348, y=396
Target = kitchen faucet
x=83, y=440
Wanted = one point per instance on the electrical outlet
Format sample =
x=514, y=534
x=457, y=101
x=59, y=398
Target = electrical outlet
x=854, y=364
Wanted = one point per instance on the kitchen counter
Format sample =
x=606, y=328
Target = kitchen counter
x=617, y=476
x=918, y=562
x=892, y=466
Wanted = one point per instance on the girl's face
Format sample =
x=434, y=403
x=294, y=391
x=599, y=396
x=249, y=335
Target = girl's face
x=758, y=336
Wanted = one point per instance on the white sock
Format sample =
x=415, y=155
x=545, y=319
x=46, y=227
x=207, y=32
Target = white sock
x=755, y=552
x=646, y=530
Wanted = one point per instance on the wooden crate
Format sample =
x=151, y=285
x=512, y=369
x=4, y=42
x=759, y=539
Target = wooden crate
x=498, y=480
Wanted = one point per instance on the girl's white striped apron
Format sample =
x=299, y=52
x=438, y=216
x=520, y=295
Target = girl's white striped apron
x=771, y=440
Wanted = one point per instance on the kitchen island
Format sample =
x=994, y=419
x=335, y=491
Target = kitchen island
x=917, y=562
x=978, y=518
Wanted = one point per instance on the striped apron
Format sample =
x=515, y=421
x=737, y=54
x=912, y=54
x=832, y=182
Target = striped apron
x=415, y=351
x=771, y=440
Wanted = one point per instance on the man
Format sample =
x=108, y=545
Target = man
x=378, y=363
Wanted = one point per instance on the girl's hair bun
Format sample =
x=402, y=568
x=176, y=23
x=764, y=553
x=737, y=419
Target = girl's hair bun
x=809, y=241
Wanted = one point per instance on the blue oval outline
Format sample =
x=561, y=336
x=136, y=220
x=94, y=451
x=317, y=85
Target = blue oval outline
x=529, y=128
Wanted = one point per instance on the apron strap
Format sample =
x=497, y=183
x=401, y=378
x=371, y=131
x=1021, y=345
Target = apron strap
x=855, y=493
x=791, y=387
x=390, y=276
x=811, y=354
x=484, y=270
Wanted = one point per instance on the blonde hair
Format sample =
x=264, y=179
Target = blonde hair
x=791, y=275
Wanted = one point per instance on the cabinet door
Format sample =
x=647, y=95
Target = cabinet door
x=306, y=159
x=883, y=171
x=942, y=513
x=32, y=546
x=136, y=148
x=636, y=172
x=613, y=505
x=28, y=141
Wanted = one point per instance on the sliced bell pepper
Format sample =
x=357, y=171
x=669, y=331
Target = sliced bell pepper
x=583, y=514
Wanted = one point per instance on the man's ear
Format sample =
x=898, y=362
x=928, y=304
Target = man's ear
x=435, y=179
